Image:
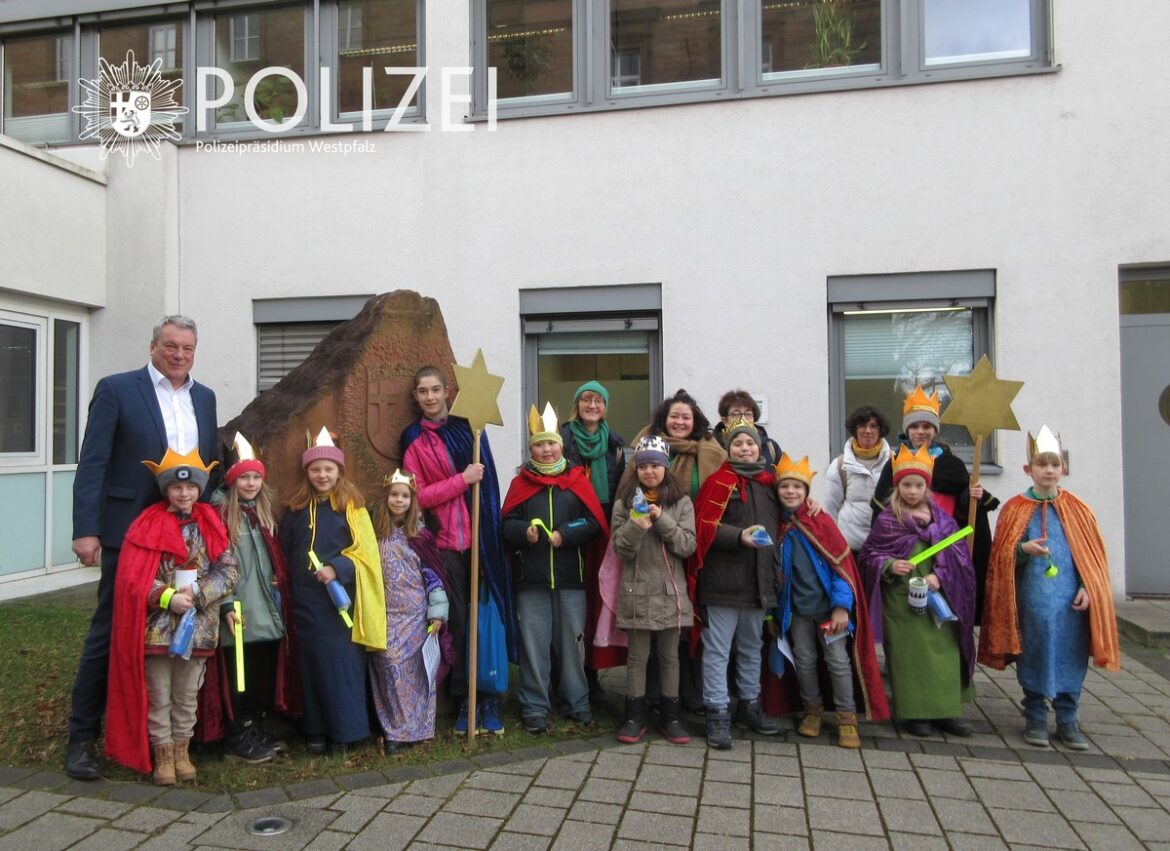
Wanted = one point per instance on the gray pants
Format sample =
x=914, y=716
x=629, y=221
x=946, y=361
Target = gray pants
x=665, y=648
x=172, y=688
x=807, y=639
x=743, y=627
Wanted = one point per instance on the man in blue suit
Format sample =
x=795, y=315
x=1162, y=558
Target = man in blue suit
x=133, y=416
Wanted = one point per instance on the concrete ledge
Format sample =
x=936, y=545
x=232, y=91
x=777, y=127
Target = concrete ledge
x=1145, y=622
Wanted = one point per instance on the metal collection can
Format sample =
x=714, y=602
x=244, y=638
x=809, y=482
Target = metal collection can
x=917, y=595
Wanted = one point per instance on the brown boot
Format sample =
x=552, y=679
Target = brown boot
x=164, y=765
x=184, y=769
x=847, y=730
x=810, y=724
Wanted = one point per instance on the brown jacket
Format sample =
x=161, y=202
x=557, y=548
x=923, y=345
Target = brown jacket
x=653, y=591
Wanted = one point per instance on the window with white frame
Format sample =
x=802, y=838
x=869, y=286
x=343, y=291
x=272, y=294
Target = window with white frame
x=244, y=37
x=373, y=35
x=349, y=26
x=568, y=55
x=163, y=45
x=889, y=333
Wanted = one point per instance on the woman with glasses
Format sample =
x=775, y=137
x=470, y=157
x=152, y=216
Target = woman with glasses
x=738, y=405
x=848, y=484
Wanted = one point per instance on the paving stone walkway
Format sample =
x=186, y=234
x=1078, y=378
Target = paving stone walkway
x=989, y=791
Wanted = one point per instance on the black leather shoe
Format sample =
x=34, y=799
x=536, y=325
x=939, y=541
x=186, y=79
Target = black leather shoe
x=81, y=762
x=917, y=728
x=317, y=746
x=955, y=726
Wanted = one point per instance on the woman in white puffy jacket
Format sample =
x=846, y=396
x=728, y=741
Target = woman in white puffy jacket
x=848, y=484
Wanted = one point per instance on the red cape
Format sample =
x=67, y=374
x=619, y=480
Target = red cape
x=779, y=697
x=152, y=536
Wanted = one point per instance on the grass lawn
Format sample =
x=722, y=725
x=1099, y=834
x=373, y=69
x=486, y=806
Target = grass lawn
x=40, y=643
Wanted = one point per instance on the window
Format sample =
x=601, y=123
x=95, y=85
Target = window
x=36, y=88
x=891, y=332
x=18, y=387
x=149, y=42
x=162, y=45
x=288, y=329
x=349, y=26
x=561, y=55
x=373, y=35
x=567, y=342
x=244, y=35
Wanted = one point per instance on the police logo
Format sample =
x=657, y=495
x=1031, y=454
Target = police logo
x=130, y=112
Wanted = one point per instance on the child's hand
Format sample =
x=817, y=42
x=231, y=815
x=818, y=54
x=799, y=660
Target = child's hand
x=532, y=534
x=976, y=491
x=232, y=620
x=556, y=539
x=326, y=574
x=181, y=601
x=814, y=507
x=642, y=521
x=1081, y=601
x=654, y=512
x=773, y=627
x=1035, y=547
x=839, y=622
x=901, y=567
x=436, y=625
x=745, y=537
x=473, y=474
x=932, y=582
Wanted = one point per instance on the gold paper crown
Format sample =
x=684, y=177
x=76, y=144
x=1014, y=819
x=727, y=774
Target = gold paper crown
x=543, y=426
x=172, y=459
x=400, y=478
x=913, y=462
x=244, y=450
x=324, y=438
x=786, y=468
x=917, y=400
x=1044, y=441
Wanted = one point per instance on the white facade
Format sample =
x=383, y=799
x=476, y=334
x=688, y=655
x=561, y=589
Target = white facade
x=740, y=210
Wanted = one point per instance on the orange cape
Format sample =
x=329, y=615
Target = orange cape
x=999, y=640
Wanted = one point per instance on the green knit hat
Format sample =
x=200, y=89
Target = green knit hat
x=596, y=387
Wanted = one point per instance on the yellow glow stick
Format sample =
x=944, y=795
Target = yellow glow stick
x=239, y=636
x=940, y=546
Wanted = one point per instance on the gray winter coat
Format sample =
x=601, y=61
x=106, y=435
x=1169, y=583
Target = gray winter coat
x=653, y=592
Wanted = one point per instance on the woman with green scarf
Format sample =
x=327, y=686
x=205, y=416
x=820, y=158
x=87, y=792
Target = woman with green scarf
x=590, y=443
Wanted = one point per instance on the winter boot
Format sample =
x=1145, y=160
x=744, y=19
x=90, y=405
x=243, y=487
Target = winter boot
x=669, y=724
x=847, y=730
x=164, y=764
x=750, y=716
x=718, y=728
x=635, y=726
x=245, y=742
x=184, y=770
x=810, y=724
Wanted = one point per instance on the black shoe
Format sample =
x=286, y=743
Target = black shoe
x=917, y=728
x=244, y=743
x=81, y=762
x=317, y=745
x=750, y=716
x=669, y=724
x=718, y=729
x=278, y=745
x=597, y=695
x=635, y=726
x=391, y=747
x=536, y=724
x=955, y=726
x=582, y=719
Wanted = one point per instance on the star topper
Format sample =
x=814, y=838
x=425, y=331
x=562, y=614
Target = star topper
x=980, y=401
x=478, y=392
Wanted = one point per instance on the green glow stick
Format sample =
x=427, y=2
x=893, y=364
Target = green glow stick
x=538, y=523
x=940, y=546
x=239, y=636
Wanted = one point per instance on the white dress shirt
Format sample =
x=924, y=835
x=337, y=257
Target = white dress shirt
x=178, y=411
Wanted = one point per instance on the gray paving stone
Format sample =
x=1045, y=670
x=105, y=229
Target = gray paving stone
x=232, y=830
x=785, y=766
x=946, y=784
x=771, y=747
x=498, y=782
x=913, y=842
x=944, y=748
x=311, y=789
x=182, y=800
x=656, y=802
x=482, y=802
x=1011, y=794
x=830, y=757
x=772, y=840
x=45, y=780
x=385, y=792
x=1057, y=777
x=453, y=766
x=896, y=784
x=908, y=816
x=907, y=746
x=506, y=841
x=958, y=816
x=534, y=753
x=100, y=788
x=894, y=760
x=582, y=836
x=837, y=784
x=261, y=798
x=727, y=794
x=437, y=787
x=831, y=839
x=656, y=828
x=493, y=760
x=529, y=818
x=547, y=797
x=779, y=791
x=997, y=770
x=93, y=807
x=388, y=832
x=605, y=791
x=1115, y=837
x=843, y=816
x=596, y=813
x=1048, y=829
x=405, y=773
x=729, y=772
x=1082, y=806
x=472, y=831
x=108, y=839
x=356, y=812
x=201, y=818
x=329, y=840
x=365, y=780
x=414, y=805
x=562, y=774
x=574, y=746
x=1150, y=825
x=49, y=831
x=1092, y=760
x=971, y=842
x=691, y=756
x=714, y=842
x=26, y=807
x=216, y=806
x=741, y=751
x=934, y=761
x=616, y=766
x=724, y=821
x=9, y=774
x=673, y=780
x=145, y=819
x=1123, y=795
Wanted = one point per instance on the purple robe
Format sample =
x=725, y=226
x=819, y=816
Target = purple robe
x=890, y=538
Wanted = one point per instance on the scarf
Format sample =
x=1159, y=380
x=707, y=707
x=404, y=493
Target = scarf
x=865, y=454
x=747, y=469
x=554, y=469
x=594, y=451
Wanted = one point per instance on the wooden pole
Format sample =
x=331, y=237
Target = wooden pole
x=972, y=503
x=473, y=615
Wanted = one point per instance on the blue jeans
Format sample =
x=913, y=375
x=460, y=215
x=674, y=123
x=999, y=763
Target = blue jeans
x=544, y=616
x=807, y=641
x=724, y=626
x=1064, y=705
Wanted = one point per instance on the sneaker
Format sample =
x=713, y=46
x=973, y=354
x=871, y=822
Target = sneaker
x=244, y=743
x=536, y=724
x=81, y=761
x=489, y=720
x=317, y=745
x=750, y=716
x=461, y=721
x=1071, y=736
x=1036, y=733
x=582, y=719
x=719, y=729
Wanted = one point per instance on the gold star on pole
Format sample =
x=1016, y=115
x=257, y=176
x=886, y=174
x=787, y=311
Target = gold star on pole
x=478, y=392
x=980, y=401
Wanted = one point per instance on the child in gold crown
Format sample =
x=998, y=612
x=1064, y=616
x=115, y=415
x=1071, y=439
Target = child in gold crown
x=930, y=667
x=1049, y=603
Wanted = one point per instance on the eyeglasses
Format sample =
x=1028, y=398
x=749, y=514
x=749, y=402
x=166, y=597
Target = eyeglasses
x=740, y=415
x=592, y=401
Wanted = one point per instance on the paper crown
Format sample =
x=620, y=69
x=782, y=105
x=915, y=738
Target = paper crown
x=920, y=408
x=1044, y=441
x=800, y=470
x=543, y=426
x=652, y=449
x=400, y=478
x=246, y=461
x=906, y=462
x=180, y=468
x=322, y=448
x=740, y=426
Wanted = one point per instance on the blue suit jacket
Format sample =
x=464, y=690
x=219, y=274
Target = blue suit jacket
x=125, y=427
